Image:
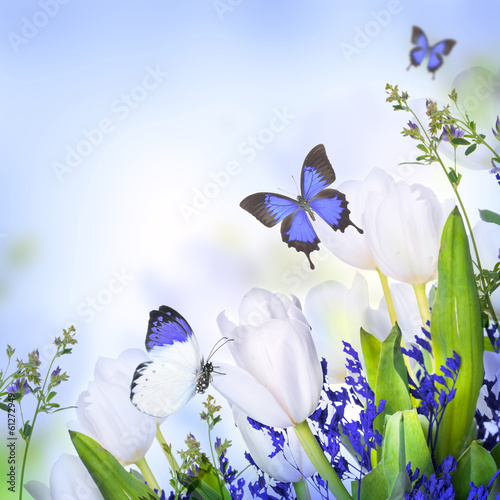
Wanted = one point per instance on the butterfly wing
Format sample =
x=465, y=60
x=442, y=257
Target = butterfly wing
x=164, y=385
x=331, y=206
x=442, y=48
x=269, y=208
x=297, y=232
x=317, y=172
x=418, y=53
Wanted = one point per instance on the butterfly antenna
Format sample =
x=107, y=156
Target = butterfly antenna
x=220, y=343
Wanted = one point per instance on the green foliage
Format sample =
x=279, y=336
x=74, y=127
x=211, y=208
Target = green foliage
x=113, y=481
x=26, y=380
x=391, y=383
x=456, y=325
x=475, y=465
x=404, y=442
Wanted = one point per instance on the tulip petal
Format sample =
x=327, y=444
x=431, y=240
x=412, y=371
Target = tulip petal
x=119, y=370
x=252, y=398
x=38, y=490
x=260, y=305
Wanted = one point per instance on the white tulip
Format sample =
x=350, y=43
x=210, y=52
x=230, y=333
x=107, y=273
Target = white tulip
x=351, y=247
x=278, y=378
x=403, y=229
x=106, y=414
x=69, y=479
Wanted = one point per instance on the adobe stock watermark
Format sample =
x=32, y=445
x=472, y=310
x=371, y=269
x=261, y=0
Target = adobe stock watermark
x=221, y=7
x=121, y=108
x=363, y=36
x=31, y=26
x=475, y=86
x=89, y=308
x=248, y=150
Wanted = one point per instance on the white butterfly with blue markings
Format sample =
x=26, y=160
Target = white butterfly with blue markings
x=175, y=373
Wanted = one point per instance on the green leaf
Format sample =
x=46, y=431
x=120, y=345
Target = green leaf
x=460, y=142
x=454, y=177
x=423, y=148
x=374, y=485
x=371, y=346
x=51, y=395
x=404, y=442
x=4, y=407
x=391, y=380
x=206, y=485
x=113, y=481
x=489, y=216
x=26, y=431
x=470, y=149
x=475, y=465
x=456, y=325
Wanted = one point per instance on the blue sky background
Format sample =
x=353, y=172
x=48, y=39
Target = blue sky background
x=176, y=90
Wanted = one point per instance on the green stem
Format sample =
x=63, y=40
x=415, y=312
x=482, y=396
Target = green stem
x=423, y=304
x=469, y=227
x=425, y=315
x=388, y=297
x=321, y=463
x=40, y=397
x=167, y=449
x=148, y=475
x=302, y=490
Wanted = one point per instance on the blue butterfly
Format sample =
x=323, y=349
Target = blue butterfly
x=165, y=384
x=417, y=54
x=296, y=228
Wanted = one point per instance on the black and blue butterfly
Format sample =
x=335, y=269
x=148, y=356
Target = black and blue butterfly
x=436, y=52
x=176, y=372
x=296, y=228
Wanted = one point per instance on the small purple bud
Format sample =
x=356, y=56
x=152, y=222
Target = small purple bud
x=54, y=375
x=452, y=132
x=496, y=130
x=414, y=126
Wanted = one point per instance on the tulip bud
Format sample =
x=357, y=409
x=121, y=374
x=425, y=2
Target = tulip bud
x=105, y=413
x=278, y=377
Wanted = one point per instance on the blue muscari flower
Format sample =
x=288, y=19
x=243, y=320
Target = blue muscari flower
x=431, y=385
x=20, y=386
x=437, y=486
x=491, y=331
x=451, y=132
x=362, y=436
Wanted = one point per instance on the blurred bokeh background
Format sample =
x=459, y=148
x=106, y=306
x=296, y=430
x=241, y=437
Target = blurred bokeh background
x=130, y=131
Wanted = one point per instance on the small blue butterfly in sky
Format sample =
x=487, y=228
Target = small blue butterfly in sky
x=296, y=228
x=436, y=52
x=175, y=373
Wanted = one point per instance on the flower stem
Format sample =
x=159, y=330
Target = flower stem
x=148, y=475
x=388, y=297
x=167, y=449
x=423, y=304
x=425, y=315
x=302, y=490
x=320, y=462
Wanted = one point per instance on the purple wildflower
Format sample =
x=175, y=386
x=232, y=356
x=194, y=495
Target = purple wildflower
x=20, y=386
x=496, y=130
x=414, y=127
x=451, y=132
